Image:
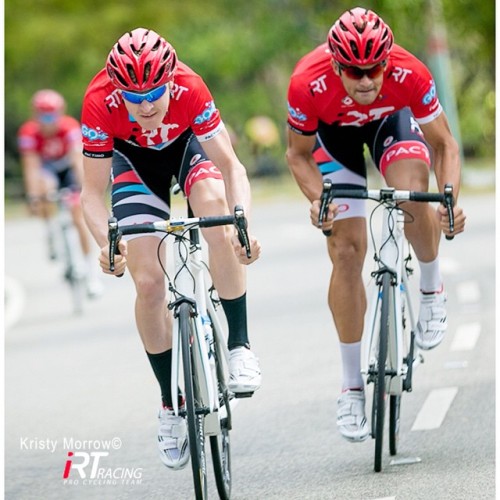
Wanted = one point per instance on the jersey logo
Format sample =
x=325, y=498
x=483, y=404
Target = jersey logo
x=373, y=114
x=318, y=86
x=177, y=91
x=430, y=95
x=296, y=114
x=207, y=114
x=159, y=133
x=113, y=100
x=93, y=134
x=400, y=74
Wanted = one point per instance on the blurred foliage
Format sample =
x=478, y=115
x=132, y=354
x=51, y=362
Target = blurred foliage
x=244, y=50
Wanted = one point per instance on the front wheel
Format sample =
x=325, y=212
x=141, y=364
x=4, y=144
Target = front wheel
x=195, y=416
x=394, y=415
x=379, y=391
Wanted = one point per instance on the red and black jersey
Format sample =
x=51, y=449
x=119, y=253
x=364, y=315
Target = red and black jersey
x=51, y=149
x=105, y=117
x=316, y=94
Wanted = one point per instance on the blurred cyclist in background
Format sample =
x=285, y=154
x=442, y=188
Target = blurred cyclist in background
x=358, y=89
x=50, y=146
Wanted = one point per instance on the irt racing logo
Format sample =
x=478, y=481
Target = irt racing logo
x=85, y=468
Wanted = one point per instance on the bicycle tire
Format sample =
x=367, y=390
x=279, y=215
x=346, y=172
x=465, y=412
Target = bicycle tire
x=394, y=417
x=75, y=280
x=379, y=391
x=220, y=445
x=195, y=418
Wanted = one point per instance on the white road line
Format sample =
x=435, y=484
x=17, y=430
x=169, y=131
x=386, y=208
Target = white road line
x=14, y=302
x=434, y=410
x=468, y=292
x=466, y=337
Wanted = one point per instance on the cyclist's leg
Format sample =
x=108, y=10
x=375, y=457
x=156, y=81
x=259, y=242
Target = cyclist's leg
x=339, y=155
x=133, y=202
x=46, y=209
x=89, y=251
x=405, y=163
x=202, y=182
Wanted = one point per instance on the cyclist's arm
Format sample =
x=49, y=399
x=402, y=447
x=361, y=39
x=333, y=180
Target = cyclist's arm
x=302, y=164
x=31, y=165
x=220, y=150
x=76, y=162
x=96, y=175
x=305, y=170
x=446, y=153
x=446, y=156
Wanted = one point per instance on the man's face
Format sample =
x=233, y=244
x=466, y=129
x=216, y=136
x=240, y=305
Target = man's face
x=49, y=122
x=362, y=83
x=151, y=110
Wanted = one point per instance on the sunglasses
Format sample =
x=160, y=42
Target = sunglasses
x=356, y=73
x=47, y=118
x=138, y=97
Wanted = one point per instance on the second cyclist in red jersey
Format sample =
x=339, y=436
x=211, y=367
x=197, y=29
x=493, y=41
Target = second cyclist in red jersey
x=148, y=118
x=361, y=90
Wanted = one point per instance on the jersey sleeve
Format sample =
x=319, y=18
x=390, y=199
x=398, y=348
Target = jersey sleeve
x=425, y=103
x=204, y=117
x=26, y=139
x=72, y=132
x=97, y=131
x=302, y=117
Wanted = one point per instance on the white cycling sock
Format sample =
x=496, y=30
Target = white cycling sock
x=351, y=366
x=430, y=276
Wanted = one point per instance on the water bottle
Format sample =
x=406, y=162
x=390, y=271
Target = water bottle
x=207, y=327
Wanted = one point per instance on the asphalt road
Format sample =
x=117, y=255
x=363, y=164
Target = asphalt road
x=83, y=384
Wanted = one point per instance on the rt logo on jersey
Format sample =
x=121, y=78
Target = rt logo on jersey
x=318, y=86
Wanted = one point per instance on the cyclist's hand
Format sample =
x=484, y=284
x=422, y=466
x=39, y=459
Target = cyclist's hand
x=120, y=260
x=241, y=252
x=35, y=206
x=314, y=212
x=444, y=220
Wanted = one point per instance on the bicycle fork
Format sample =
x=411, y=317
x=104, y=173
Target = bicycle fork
x=390, y=261
x=189, y=285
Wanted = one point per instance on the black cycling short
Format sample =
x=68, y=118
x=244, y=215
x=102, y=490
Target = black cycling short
x=142, y=177
x=340, y=152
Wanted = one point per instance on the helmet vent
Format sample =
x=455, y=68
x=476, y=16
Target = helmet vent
x=147, y=71
x=368, y=50
x=131, y=74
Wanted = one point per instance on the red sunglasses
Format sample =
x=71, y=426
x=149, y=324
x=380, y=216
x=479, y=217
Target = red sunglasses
x=356, y=73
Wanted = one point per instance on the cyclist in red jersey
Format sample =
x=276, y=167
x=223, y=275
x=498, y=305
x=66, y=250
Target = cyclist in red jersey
x=360, y=89
x=50, y=149
x=147, y=118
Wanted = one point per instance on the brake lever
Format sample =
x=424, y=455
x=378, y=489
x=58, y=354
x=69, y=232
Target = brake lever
x=448, y=203
x=323, y=210
x=114, y=237
x=241, y=224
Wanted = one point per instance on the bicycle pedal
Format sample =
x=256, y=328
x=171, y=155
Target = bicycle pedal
x=239, y=395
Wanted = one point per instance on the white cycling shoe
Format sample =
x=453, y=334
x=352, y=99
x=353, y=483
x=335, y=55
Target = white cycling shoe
x=432, y=322
x=351, y=419
x=172, y=439
x=244, y=371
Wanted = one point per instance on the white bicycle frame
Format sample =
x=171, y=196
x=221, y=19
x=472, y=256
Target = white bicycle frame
x=392, y=252
x=189, y=282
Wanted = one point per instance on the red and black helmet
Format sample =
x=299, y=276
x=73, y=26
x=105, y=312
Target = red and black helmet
x=141, y=60
x=48, y=101
x=360, y=37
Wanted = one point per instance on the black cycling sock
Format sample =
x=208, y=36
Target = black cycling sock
x=236, y=315
x=162, y=367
